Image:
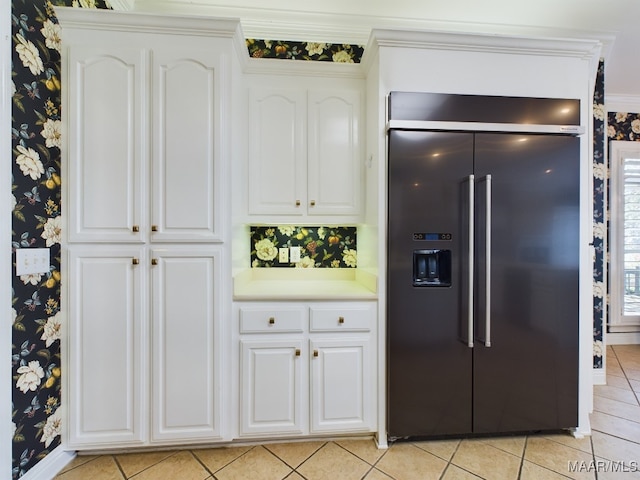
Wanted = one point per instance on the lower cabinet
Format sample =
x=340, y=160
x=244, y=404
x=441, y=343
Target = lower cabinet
x=143, y=355
x=307, y=368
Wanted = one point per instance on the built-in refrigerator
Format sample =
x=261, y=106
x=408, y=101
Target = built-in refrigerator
x=482, y=274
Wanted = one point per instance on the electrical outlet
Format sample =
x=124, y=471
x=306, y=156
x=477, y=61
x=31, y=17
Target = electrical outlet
x=283, y=255
x=295, y=254
x=32, y=260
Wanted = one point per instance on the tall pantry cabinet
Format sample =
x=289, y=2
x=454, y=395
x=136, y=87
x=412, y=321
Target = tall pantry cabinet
x=145, y=102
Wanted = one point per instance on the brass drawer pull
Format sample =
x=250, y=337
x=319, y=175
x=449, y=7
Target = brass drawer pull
x=340, y=320
x=135, y=228
x=135, y=261
x=154, y=261
x=272, y=320
x=315, y=353
x=154, y=228
x=297, y=352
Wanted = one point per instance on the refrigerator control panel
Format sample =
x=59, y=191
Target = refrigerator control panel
x=432, y=237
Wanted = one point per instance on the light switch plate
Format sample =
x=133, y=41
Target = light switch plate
x=294, y=254
x=32, y=260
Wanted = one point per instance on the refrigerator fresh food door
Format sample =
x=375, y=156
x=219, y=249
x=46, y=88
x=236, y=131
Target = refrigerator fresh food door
x=527, y=194
x=429, y=366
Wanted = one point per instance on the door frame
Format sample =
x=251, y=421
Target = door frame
x=618, y=149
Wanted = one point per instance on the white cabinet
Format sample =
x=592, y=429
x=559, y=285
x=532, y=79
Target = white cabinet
x=106, y=92
x=144, y=337
x=186, y=186
x=341, y=380
x=307, y=368
x=271, y=385
x=186, y=344
x=107, y=350
x=145, y=103
x=305, y=155
x=144, y=139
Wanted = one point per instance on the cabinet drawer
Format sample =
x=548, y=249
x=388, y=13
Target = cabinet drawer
x=344, y=319
x=277, y=320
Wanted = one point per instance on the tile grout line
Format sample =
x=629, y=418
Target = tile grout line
x=115, y=460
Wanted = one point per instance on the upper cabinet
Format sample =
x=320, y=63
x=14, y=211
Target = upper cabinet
x=305, y=151
x=146, y=133
x=106, y=142
x=185, y=204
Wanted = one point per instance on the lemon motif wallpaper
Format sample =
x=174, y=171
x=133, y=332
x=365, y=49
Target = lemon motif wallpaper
x=36, y=179
x=322, y=52
x=320, y=247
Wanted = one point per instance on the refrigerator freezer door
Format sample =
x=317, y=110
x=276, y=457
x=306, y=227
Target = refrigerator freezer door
x=527, y=379
x=429, y=367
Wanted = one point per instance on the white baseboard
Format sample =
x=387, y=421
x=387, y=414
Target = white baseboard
x=599, y=376
x=51, y=465
x=623, y=338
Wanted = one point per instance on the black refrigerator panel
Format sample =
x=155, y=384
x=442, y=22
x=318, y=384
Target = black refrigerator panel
x=526, y=378
x=429, y=374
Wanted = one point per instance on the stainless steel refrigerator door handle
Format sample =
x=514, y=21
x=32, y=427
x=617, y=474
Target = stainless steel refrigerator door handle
x=470, y=331
x=487, y=279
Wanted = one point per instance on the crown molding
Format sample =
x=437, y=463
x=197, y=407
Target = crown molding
x=622, y=103
x=99, y=19
x=483, y=42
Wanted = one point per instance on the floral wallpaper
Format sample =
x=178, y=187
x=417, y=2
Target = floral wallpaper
x=623, y=126
x=323, y=52
x=600, y=226
x=320, y=247
x=36, y=179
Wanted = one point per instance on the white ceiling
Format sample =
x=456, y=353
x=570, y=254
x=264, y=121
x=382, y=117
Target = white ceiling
x=615, y=22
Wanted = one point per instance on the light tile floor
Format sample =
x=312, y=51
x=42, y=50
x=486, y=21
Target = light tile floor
x=614, y=445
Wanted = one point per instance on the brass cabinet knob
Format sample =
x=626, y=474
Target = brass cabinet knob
x=315, y=353
x=272, y=320
x=340, y=320
x=154, y=261
x=312, y=203
x=154, y=228
x=135, y=228
x=297, y=203
x=135, y=261
x=297, y=352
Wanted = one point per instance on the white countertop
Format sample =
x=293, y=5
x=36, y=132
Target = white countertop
x=305, y=284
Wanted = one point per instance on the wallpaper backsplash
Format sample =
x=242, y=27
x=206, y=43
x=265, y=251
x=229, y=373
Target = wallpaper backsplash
x=320, y=247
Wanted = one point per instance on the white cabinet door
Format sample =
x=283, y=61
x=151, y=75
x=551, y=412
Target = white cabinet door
x=106, y=143
x=341, y=385
x=186, y=137
x=304, y=152
x=106, y=350
x=334, y=159
x=186, y=345
x=277, y=152
x=271, y=387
